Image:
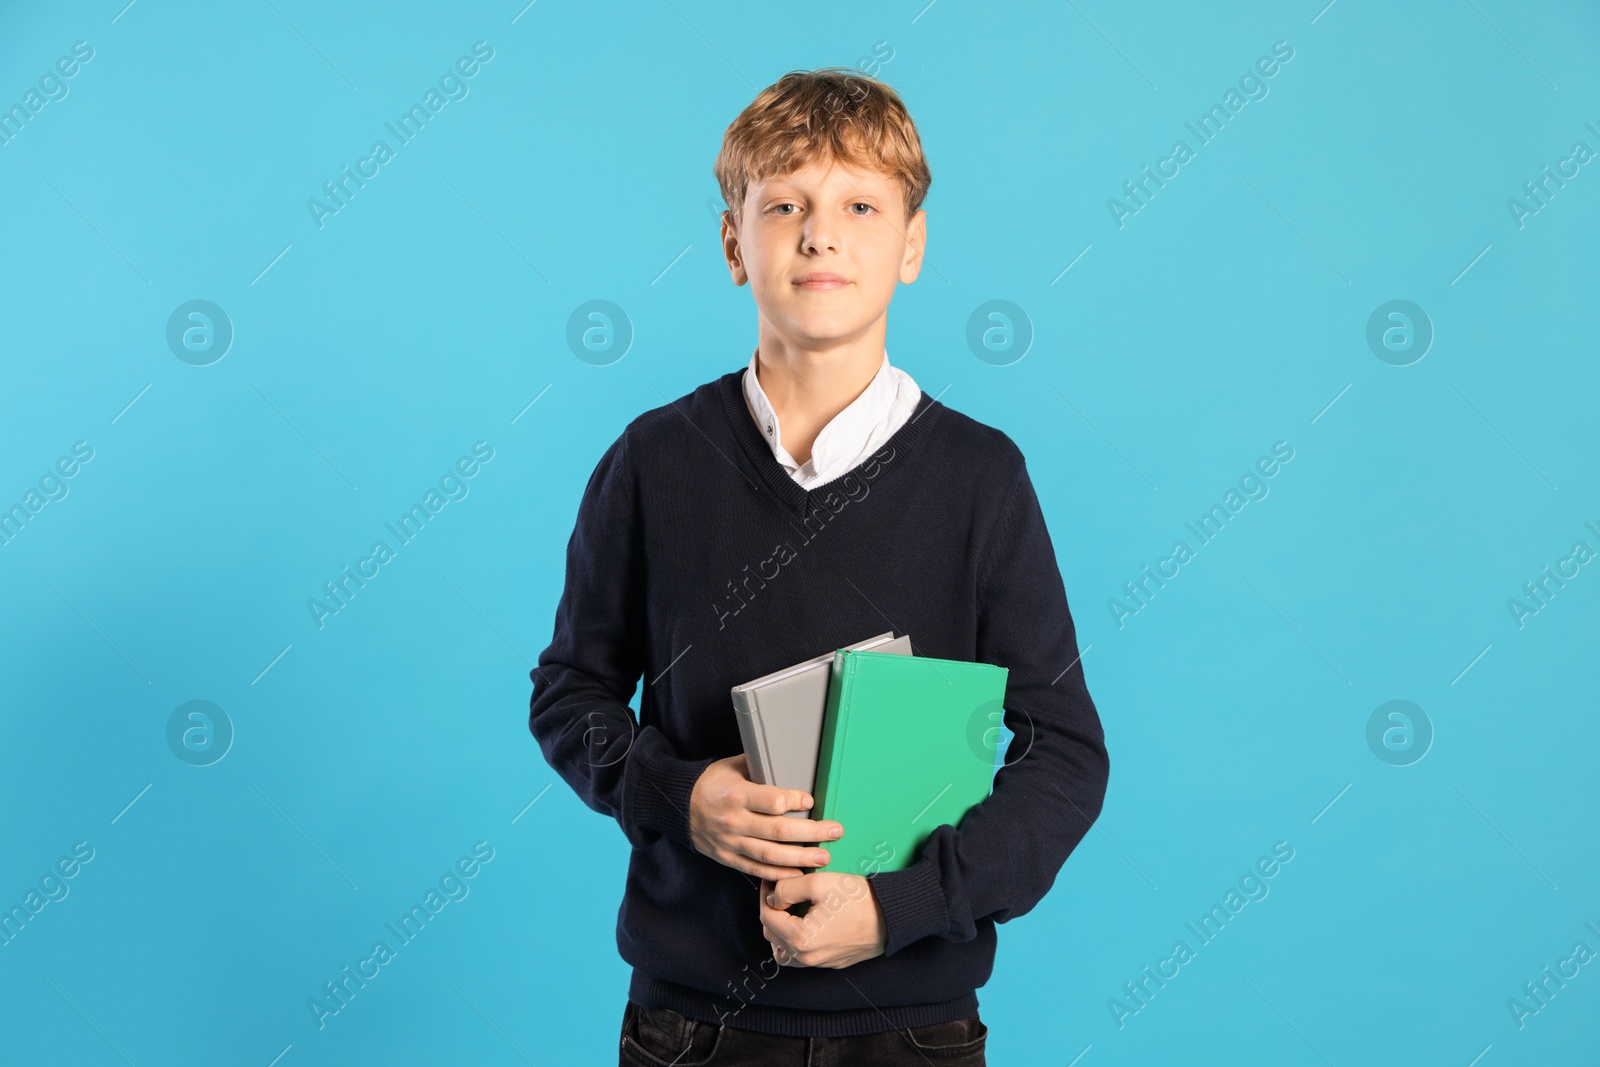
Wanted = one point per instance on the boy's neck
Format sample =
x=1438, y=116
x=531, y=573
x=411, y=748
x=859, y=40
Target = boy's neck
x=808, y=387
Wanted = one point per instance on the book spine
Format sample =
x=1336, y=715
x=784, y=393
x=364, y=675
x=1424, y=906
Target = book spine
x=832, y=715
x=744, y=710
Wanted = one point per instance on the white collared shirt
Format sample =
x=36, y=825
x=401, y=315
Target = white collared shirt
x=885, y=405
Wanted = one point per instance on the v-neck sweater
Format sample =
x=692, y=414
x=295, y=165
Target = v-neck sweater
x=697, y=563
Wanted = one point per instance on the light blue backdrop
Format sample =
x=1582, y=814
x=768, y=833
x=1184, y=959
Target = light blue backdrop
x=1163, y=351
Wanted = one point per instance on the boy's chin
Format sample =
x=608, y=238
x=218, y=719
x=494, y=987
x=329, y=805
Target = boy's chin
x=822, y=331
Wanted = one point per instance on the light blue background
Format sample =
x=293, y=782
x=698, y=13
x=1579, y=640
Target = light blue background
x=1228, y=314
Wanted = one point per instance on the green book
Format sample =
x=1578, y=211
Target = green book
x=908, y=743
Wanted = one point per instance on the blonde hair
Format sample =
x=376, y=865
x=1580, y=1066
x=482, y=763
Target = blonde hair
x=834, y=114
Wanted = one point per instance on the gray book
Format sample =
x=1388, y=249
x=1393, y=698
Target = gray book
x=780, y=717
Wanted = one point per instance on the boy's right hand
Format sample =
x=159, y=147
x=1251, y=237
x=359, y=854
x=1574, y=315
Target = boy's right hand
x=740, y=823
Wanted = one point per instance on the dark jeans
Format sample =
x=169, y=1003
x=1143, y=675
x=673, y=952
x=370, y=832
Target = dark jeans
x=660, y=1037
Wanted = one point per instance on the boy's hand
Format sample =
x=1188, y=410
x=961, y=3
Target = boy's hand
x=740, y=823
x=843, y=925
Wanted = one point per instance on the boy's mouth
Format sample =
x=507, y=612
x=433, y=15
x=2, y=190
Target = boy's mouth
x=821, y=280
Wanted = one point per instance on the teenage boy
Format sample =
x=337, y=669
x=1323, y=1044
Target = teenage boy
x=806, y=501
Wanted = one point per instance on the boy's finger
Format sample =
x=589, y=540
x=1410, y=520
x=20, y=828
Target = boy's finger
x=788, y=892
x=770, y=800
x=767, y=871
x=776, y=934
x=764, y=850
x=807, y=830
x=780, y=927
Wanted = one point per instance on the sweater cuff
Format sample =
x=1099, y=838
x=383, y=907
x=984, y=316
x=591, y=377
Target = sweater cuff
x=661, y=797
x=913, y=904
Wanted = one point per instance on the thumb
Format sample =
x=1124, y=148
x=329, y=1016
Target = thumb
x=788, y=891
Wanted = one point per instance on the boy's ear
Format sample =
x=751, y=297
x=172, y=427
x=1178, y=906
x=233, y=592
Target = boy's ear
x=916, y=246
x=731, y=250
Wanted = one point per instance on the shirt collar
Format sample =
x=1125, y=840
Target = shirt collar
x=850, y=426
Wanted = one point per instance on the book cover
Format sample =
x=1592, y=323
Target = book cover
x=908, y=743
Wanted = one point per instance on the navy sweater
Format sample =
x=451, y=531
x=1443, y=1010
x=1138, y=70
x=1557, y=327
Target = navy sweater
x=696, y=563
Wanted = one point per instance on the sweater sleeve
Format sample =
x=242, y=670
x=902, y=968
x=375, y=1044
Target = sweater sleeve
x=1006, y=853
x=584, y=680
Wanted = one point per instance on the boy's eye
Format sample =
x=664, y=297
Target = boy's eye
x=779, y=208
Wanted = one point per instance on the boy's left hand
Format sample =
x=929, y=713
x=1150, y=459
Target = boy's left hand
x=843, y=925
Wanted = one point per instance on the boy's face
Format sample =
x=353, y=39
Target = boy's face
x=824, y=220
